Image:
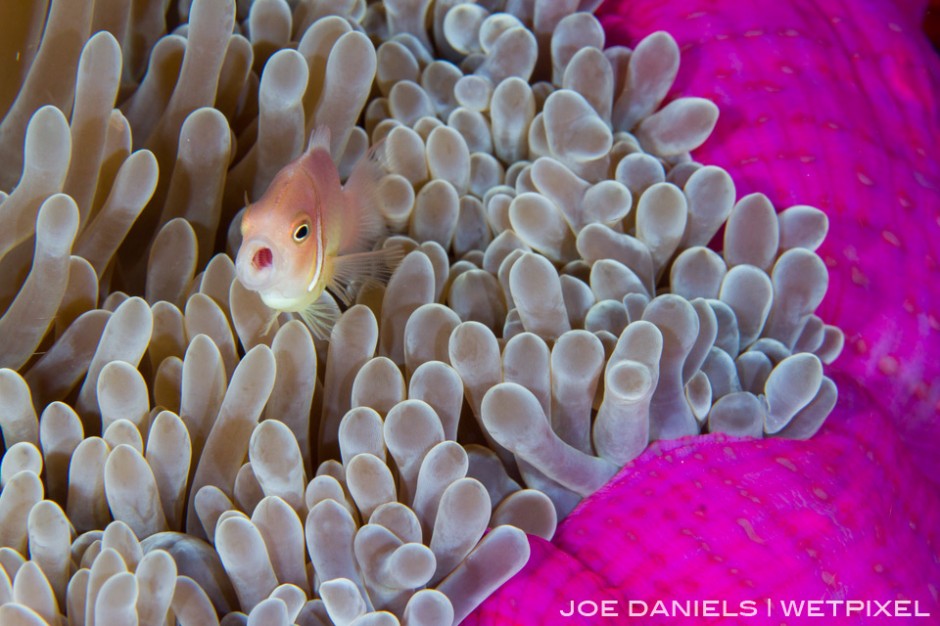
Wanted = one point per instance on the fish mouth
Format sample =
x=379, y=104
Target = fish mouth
x=256, y=264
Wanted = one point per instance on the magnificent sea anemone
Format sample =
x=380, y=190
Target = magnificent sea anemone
x=576, y=286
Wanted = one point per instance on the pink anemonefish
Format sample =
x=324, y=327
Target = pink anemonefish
x=308, y=232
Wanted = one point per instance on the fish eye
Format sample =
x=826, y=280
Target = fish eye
x=301, y=232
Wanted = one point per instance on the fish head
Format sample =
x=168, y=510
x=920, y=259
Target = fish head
x=282, y=249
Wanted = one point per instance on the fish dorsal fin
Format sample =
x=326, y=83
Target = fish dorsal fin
x=350, y=272
x=327, y=201
x=320, y=138
x=363, y=223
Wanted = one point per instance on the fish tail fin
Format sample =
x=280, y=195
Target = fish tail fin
x=365, y=224
x=320, y=316
x=351, y=271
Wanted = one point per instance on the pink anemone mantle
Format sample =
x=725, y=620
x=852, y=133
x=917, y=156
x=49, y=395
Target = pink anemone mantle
x=831, y=103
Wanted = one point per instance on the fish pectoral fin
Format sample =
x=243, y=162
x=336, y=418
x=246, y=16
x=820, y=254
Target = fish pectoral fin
x=320, y=316
x=351, y=271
